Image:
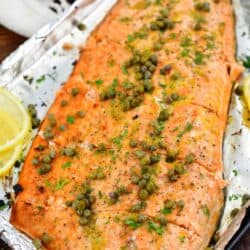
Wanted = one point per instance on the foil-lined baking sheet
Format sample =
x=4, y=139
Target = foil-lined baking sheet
x=40, y=66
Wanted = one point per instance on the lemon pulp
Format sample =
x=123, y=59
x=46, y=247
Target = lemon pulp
x=14, y=121
x=14, y=128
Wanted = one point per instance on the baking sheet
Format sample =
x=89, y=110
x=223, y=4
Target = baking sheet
x=36, y=71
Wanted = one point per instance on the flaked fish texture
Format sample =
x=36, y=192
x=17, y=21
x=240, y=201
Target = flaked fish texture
x=129, y=155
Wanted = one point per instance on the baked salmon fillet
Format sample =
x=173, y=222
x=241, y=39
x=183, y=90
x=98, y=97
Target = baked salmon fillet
x=129, y=155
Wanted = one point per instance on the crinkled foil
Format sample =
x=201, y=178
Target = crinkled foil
x=40, y=66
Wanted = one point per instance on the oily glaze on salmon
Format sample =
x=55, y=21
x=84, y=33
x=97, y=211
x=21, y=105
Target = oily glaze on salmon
x=130, y=153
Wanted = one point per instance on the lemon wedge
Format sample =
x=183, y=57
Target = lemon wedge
x=246, y=91
x=14, y=121
x=8, y=158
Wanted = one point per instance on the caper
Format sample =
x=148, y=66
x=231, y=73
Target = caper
x=46, y=159
x=64, y=103
x=135, y=179
x=52, y=120
x=69, y=152
x=143, y=194
x=148, y=86
x=75, y=91
x=144, y=161
x=172, y=176
x=62, y=127
x=80, y=113
x=151, y=187
x=101, y=148
x=161, y=219
x=164, y=12
x=35, y=122
x=147, y=75
x=164, y=115
x=139, y=76
x=172, y=155
x=144, y=69
x=87, y=213
x=197, y=26
x=157, y=46
x=202, y=6
x=146, y=176
x=142, y=183
x=83, y=221
x=46, y=239
x=48, y=134
x=35, y=161
x=44, y=169
x=162, y=144
x=152, y=148
x=179, y=169
x=154, y=159
x=141, y=218
x=169, y=24
x=140, y=154
x=189, y=158
x=68, y=203
x=166, y=69
x=136, y=208
x=154, y=26
x=239, y=90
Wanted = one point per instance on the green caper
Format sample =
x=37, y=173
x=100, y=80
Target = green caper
x=141, y=218
x=162, y=144
x=197, y=26
x=154, y=159
x=52, y=120
x=189, y=158
x=164, y=115
x=147, y=75
x=172, y=155
x=101, y=148
x=83, y=221
x=154, y=59
x=140, y=154
x=144, y=161
x=136, y=207
x=62, y=127
x=48, y=134
x=64, y=103
x=35, y=122
x=143, y=194
x=80, y=113
x=87, y=213
x=151, y=187
x=46, y=159
x=44, y=169
x=166, y=69
x=69, y=151
x=179, y=169
x=133, y=143
x=75, y=91
x=154, y=26
x=142, y=183
x=46, y=239
x=239, y=90
x=161, y=219
x=148, y=86
x=146, y=176
x=157, y=46
x=172, y=176
x=202, y=6
x=68, y=203
x=35, y=161
x=135, y=179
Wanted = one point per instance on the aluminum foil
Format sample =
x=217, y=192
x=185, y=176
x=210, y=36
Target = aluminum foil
x=40, y=66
